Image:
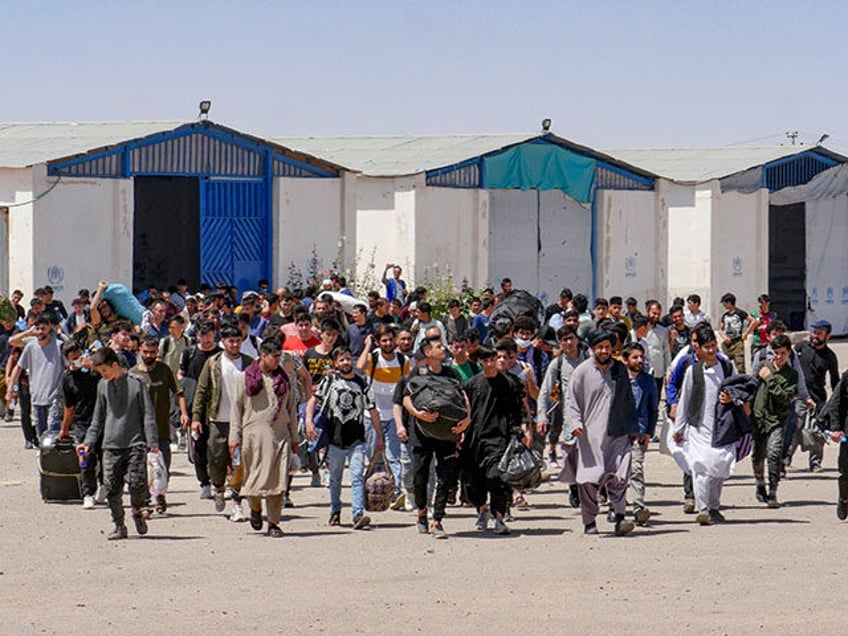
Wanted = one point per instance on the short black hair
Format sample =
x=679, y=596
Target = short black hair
x=105, y=356
x=485, y=352
x=693, y=298
x=270, y=346
x=230, y=331
x=330, y=325
x=729, y=298
x=781, y=341
x=632, y=346
x=341, y=349
x=704, y=334
x=565, y=330
x=150, y=341
x=777, y=325
x=639, y=321
x=425, y=307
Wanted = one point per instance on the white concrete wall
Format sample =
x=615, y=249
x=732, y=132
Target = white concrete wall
x=16, y=244
x=385, y=222
x=451, y=230
x=632, y=253
x=307, y=213
x=689, y=240
x=740, y=248
x=83, y=232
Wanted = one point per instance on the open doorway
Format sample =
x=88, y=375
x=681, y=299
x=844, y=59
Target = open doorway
x=788, y=263
x=166, y=232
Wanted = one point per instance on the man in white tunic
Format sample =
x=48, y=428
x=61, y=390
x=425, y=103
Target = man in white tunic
x=600, y=411
x=694, y=425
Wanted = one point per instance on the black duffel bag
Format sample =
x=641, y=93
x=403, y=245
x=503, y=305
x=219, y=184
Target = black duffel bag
x=438, y=394
x=519, y=467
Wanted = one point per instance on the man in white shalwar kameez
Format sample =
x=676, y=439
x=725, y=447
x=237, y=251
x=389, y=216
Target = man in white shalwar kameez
x=694, y=425
x=600, y=412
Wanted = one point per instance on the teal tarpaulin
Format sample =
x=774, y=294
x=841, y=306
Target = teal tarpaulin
x=541, y=167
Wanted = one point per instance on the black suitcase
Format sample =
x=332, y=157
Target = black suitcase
x=60, y=472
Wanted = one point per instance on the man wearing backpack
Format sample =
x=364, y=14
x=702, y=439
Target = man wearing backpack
x=425, y=448
x=347, y=398
x=384, y=368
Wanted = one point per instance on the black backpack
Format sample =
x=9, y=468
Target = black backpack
x=438, y=394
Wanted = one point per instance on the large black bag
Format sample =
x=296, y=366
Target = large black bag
x=59, y=470
x=519, y=467
x=438, y=394
x=518, y=302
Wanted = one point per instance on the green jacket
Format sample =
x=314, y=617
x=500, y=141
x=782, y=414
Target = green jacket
x=207, y=395
x=771, y=404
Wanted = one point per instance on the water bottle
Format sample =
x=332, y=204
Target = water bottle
x=82, y=457
x=237, y=457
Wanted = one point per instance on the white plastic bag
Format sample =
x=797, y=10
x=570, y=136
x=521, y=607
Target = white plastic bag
x=157, y=474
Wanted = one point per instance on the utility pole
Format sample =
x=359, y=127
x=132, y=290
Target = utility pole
x=793, y=135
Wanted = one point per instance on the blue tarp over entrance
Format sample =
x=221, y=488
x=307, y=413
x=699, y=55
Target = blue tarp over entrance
x=541, y=167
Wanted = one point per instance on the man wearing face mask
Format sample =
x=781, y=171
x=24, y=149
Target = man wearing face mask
x=161, y=384
x=79, y=389
x=529, y=350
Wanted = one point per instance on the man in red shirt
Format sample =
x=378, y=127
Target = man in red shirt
x=304, y=338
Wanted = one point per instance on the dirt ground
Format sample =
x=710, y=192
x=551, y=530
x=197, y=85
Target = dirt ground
x=765, y=571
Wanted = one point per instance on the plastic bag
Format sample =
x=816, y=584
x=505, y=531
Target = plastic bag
x=157, y=474
x=519, y=467
x=125, y=304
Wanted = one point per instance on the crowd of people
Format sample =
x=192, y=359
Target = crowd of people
x=259, y=387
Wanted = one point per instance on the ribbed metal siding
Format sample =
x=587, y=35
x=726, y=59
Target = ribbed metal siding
x=196, y=154
x=233, y=232
x=466, y=177
x=108, y=166
x=795, y=172
x=283, y=169
x=609, y=180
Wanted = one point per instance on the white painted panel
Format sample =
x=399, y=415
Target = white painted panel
x=513, y=238
x=565, y=233
x=827, y=266
x=689, y=241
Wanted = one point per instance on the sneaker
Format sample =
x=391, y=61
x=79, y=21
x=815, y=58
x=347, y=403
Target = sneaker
x=842, y=510
x=421, y=524
x=140, y=519
x=500, y=527
x=762, y=495
x=28, y=445
x=220, y=504
x=590, y=528
x=287, y=502
x=407, y=505
x=274, y=531
x=553, y=464
x=256, y=519
x=704, y=518
x=611, y=516
x=102, y=493
x=641, y=515
x=520, y=502
x=689, y=506
x=325, y=478
x=335, y=518
x=161, y=505
x=316, y=480
x=437, y=530
x=622, y=526
x=717, y=517
x=482, y=521
x=772, y=501
x=399, y=502
x=9, y=415
x=361, y=522
x=181, y=440
x=816, y=468
x=228, y=494
x=120, y=532
x=206, y=492
x=237, y=514
x=88, y=502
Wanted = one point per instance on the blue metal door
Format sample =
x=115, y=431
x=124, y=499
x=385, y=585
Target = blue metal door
x=235, y=231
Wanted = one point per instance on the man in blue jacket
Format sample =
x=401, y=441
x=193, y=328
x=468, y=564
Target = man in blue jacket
x=645, y=393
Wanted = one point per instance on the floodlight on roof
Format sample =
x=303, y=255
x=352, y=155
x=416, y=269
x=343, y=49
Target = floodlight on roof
x=205, y=107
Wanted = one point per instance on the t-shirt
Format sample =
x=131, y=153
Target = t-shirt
x=733, y=323
x=161, y=383
x=298, y=347
x=79, y=389
x=171, y=351
x=679, y=339
x=468, y=370
x=481, y=324
x=761, y=337
x=317, y=364
x=348, y=401
x=193, y=360
x=45, y=366
x=383, y=379
x=229, y=377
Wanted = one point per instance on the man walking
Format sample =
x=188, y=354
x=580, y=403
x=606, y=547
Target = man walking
x=645, y=394
x=600, y=411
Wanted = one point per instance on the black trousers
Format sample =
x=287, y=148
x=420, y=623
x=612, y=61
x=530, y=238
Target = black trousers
x=480, y=488
x=447, y=470
x=25, y=405
x=92, y=474
x=843, y=471
x=201, y=461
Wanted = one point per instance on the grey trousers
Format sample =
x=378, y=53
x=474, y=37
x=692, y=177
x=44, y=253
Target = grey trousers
x=589, y=500
x=218, y=456
x=129, y=464
x=768, y=448
x=636, y=488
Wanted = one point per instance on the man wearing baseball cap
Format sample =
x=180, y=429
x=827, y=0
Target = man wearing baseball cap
x=817, y=360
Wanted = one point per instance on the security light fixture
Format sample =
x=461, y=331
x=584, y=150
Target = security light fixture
x=205, y=106
x=822, y=139
x=546, y=124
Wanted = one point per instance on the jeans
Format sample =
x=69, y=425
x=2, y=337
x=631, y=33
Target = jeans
x=393, y=452
x=336, y=460
x=46, y=417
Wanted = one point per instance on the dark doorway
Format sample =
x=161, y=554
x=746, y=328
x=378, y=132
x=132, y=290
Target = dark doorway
x=166, y=232
x=788, y=263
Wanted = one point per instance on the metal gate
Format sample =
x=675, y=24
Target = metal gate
x=235, y=231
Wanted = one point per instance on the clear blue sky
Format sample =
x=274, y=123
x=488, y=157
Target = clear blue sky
x=609, y=74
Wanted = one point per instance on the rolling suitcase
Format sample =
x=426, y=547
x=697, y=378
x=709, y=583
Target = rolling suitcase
x=59, y=469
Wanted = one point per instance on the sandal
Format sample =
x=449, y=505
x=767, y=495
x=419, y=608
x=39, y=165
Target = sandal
x=521, y=503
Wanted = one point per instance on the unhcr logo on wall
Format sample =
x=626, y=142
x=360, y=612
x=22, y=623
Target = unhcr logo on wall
x=845, y=295
x=55, y=276
x=630, y=266
x=737, y=265
x=830, y=299
x=814, y=297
